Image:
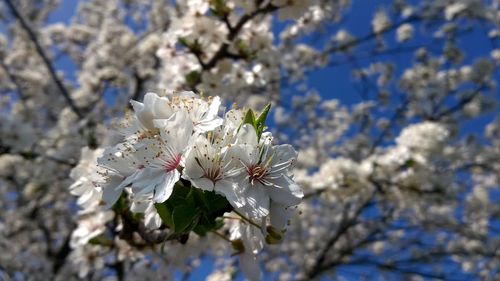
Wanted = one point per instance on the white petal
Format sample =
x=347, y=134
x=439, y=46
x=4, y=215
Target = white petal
x=253, y=239
x=285, y=191
x=186, y=95
x=110, y=196
x=284, y=153
x=257, y=201
x=147, y=181
x=203, y=184
x=132, y=179
x=120, y=159
x=161, y=108
x=245, y=154
x=176, y=131
x=192, y=170
x=149, y=99
x=228, y=189
x=90, y=198
x=279, y=215
x=152, y=218
x=250, y=266
x=143, y=115
x=164, y=190
x=154, y=107
x=139, y=206
x=79, y=187
x=208, y=125
x=214, y=107
x=210, y=120
x=196, y=157
x=247, y=135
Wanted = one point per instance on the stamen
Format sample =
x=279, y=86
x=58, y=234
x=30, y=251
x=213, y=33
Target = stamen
x=172, y=164
x=257, y=173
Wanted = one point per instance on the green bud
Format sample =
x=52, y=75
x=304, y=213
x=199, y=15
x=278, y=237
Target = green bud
x=238, y=245
x=192, y=78
x=274, y=235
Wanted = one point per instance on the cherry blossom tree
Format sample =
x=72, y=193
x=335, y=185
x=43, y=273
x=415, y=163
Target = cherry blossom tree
x=142, y=139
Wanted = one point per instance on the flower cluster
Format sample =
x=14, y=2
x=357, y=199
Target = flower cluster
x=177, y=146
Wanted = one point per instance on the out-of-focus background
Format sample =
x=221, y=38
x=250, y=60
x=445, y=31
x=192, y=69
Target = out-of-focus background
x=392, y=106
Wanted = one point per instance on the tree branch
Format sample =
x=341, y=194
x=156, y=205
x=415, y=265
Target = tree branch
x=371, y=36
x=45, y=59
x=345, y=225
x=223, y=51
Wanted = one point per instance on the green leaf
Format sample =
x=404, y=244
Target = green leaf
x=263, y=115
x=191, y=197
x=261, y=120
x=205, y=224
x=185, y=218
x=190, y=208
x=217, y=203
x=214, y=206
x=165, y=214
x=200, y=197
x=249, y=118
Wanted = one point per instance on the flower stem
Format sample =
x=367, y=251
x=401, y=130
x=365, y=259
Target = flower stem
x=221, y=235
x=246, y=219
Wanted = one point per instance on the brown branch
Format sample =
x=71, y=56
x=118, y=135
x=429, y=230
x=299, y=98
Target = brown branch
x=14, y=80
x=138, y=88
x=45, y=59
x=398, y=114
x=346, y=224
x=459, y=106
x=119, y=267
x=372, y=35
x=223, y=51
x=61, y=255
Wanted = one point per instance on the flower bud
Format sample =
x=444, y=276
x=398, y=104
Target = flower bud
x=274, y=235
x=238, y=245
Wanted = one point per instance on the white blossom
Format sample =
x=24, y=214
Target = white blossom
x=266, y=175
x=380, y=21
x=91, y=226
x=404, y=32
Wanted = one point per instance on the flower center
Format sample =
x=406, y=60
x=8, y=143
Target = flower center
x=256, y=173
x=213, y=173
x=173, y=163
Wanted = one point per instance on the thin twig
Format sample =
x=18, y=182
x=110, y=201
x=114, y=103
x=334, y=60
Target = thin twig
x=221, y=235
x=246, y=219
x=45, y=59
x=371, y=36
